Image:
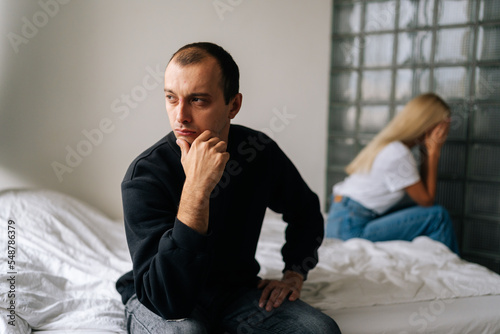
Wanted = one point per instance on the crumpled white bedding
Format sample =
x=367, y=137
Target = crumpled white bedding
x=358, y=272
x=69, y=255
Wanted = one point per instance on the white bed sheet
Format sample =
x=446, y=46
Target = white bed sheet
x=69, y=255
x=392, y=287
x=474, y=315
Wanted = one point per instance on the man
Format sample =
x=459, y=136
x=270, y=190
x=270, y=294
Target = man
x=194, y=204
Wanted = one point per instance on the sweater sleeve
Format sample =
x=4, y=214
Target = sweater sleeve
x=170, y=260
x=300, y=207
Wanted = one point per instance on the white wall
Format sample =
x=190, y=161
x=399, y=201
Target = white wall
x=69, y=67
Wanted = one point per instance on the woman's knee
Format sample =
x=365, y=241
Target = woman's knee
x=441, y=212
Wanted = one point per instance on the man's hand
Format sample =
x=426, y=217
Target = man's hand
x=203, y=162
x=275, y=292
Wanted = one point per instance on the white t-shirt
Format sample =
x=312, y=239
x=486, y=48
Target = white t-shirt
x=393, y=169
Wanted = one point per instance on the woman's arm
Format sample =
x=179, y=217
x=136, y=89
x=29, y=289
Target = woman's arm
x=424, y=191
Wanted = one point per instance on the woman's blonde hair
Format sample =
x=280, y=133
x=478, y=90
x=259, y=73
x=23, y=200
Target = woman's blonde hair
x=417, y=117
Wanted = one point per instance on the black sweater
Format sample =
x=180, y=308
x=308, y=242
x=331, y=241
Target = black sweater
x=172, y=264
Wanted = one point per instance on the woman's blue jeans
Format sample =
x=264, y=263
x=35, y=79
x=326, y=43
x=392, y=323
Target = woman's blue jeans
x=243, y=315
x=349, y=219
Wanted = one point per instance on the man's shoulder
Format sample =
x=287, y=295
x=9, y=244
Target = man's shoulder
x=239, y=130
x=240, y=134
x=163, y=150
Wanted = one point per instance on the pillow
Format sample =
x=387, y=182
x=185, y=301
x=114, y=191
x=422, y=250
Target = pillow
x=65, y=258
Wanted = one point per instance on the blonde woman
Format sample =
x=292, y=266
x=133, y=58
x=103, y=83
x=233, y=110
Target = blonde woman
x=363, y=205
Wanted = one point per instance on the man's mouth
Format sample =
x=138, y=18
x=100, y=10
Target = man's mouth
x=185, y=132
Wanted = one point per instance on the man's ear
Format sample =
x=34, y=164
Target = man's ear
x=235, y=105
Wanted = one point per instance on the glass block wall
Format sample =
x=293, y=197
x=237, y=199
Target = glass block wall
x=386, y=52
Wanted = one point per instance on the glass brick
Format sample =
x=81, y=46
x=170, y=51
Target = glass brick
x=422, y=78
x=415, y=13
x=486, y=123
x=457, y=227
x=451, y=82
x=488, y=83
x=399, y=108
x=484, y=161
x=482, y=235
x=405, y=48
x=345, y=52
x=414, y=47
x=334, y=178
x=454, y=11
x=347, y=18
x=344, y=86
x=408, y=10
x=376, y=85
x=489, y=10
x=488, y=47
x=373, y=119
x=378, y=50
x=450, y=195
x=491, y=263
x=453, y=45
x=380, y=15
x=452, y=160
x=343, y=119
x=341, y=152
x=460, y=113
x=425, y=13
x=483, y=199
x=404, y=84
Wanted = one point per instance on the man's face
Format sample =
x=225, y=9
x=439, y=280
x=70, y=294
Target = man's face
x=195, y=101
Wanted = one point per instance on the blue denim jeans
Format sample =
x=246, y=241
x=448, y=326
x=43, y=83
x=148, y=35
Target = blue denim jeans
x=349, y=219
x=242, y=315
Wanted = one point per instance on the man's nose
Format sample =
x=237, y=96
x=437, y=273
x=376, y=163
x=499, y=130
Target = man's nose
x=183, y=112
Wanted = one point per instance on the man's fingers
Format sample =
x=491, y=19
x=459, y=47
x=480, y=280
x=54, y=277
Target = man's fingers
x=264, y=297
x=294, y=295
x=274, y=294
x=184, y=146
x=205, y=135
x=277, y=297
x=221, y=146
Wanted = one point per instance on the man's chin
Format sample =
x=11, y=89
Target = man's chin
x=188, y=139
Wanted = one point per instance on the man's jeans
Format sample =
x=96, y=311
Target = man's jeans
x=349, y=219
x=241, y=316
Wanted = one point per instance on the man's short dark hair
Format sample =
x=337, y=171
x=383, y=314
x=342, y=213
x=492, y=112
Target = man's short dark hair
x=195, y=52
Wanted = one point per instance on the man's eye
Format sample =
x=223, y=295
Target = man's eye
x=198, y=100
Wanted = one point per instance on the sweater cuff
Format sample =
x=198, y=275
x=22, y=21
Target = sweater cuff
x=187, y=238
x=297, y=269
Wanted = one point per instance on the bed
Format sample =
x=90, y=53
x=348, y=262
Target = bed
x=58, y=276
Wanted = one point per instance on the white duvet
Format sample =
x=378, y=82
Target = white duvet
x=68, y=257
x=358, y=272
